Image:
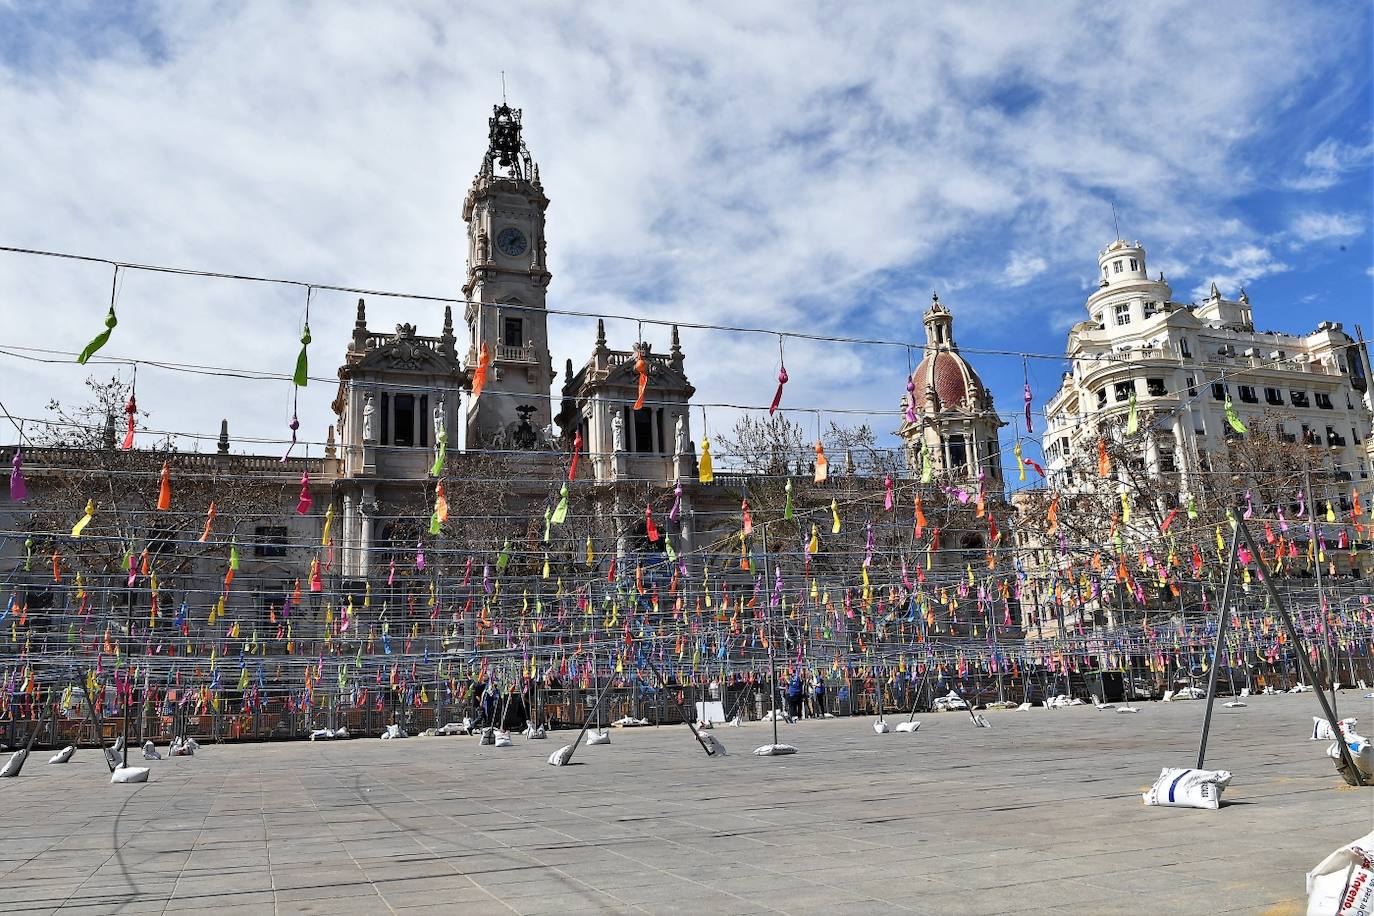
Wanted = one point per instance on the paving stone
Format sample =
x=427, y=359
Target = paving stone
x=1041, y=814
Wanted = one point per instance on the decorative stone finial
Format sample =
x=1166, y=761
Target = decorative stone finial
x=222, y=446
x=360, y=327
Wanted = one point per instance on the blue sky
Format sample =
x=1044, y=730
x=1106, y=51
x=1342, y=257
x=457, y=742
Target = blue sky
x=796, y=166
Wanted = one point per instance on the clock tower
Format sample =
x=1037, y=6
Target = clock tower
x=506, y=282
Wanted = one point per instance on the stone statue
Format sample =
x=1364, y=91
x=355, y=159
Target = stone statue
x=439, y=422
x=681, y=443
x=617, y=432
x=368, y=410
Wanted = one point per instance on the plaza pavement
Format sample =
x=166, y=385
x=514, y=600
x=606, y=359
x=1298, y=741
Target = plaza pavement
x=1039, y=814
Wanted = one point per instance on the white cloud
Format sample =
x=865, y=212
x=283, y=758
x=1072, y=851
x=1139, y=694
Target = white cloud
x=1316, y=227
x=1329, y=162
x=1239, y=267
x=1023, y=268
x=717, y=163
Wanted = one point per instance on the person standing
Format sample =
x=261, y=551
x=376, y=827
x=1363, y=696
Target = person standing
x=818, y=697
x=795, y=692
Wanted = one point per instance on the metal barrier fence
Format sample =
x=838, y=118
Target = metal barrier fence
x=569, y=707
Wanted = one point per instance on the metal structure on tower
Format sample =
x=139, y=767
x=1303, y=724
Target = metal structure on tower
x=505, y=148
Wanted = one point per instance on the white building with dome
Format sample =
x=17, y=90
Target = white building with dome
x=1181, y=361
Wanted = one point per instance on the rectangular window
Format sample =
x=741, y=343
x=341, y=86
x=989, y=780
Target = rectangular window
x=1183, y=347
x=1123, y=390
x=1134, y=265
x=1116, y=267
x=1102, y=397
x=512, y=332
x=403, y=429
x=1218, y=391
x=661, y=431
x=269, y=541
x=1167, y=463
x=1323, y=400
x=958, y=453
x=425, y=420
x=1248, y=395
x=1123, y=314
x=386, y=419
x=644, y=430
x=1155, y=387
x=1192, y=387
x=1273, y=396
x=1299, y=398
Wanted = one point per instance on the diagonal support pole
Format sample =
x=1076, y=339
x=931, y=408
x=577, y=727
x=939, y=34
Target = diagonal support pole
x=1346, y=764
x=594, y=714
x=663, y=685
x=1223, y=614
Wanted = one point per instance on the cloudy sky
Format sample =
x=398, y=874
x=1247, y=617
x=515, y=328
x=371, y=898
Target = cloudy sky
x=817, y=167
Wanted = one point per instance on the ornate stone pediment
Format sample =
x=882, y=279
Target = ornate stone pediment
x=407, y=353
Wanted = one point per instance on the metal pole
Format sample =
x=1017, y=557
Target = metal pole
x=1317, y=565
x=1349, y=772
x=128, y=668
x=772, y=666
x=1222, y=615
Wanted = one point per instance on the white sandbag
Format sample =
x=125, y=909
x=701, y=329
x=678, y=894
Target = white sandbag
x=629, y=722
x=129, y=774
x=1321, y=729
x=717, y=749
x=774, y=750
x=981, y=722
x=1188, y=788
x=539, y=733
x=779, y=715
x=1024, y=706
x=1360, y=750
x=150, y=751
x=881, y=727
x=1235, y=704
x=339, y=735
x=63, y=755
x=1342, y=884
x=1245, y=691
x=488, y=736
x=702, y=725
x=950, y=700
x=560, y=756
x=14, y=764
x=118, y=745
x=736, y=722
x=1301, y=688
x=908, y=727
x=503, y=739
x=322, y=734
x=1129, y=710
x=596, y=737
x=114, y=758
x=393, y=731
x=1105, y=707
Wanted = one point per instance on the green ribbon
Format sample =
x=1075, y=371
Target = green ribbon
x=100, y=339
x=302, y=376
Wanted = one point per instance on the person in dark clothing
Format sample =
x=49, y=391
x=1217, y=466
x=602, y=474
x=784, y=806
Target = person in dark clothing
x=818, y=698
x=795, y=692
x=489, y=700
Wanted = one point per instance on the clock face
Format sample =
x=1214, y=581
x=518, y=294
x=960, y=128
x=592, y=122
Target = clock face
x=512, y=242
